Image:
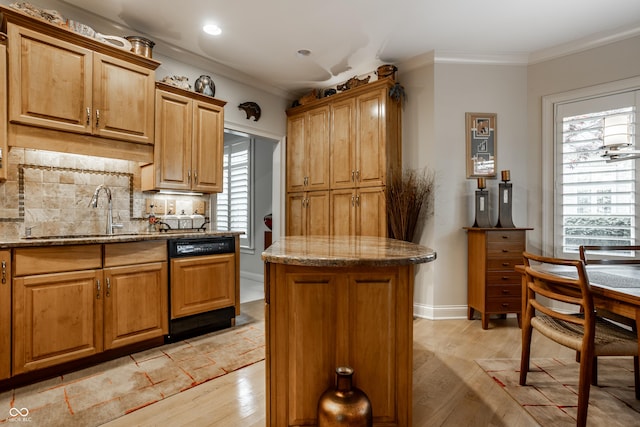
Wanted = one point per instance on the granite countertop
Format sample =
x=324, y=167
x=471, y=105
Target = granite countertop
x=346, y=251
x=83, y=239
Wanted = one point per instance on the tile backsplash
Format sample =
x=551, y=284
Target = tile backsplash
x=50, y=192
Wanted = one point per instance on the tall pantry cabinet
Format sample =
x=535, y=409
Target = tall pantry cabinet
x=340, y=152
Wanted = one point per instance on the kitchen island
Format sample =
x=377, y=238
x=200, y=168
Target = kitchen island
x=339, y=301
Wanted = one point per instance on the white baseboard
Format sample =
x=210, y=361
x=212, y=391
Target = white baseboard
x=440, y=312
x=252, y=276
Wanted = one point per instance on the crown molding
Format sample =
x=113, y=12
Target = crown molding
x=585, y=43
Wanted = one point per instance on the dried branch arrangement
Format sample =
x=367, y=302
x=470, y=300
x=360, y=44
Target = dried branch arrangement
x=409, y=199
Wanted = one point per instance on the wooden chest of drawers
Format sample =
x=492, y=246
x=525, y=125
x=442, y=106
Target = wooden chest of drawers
x=493, y=285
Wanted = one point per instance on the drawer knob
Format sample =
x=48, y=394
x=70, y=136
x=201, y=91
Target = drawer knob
x=506, y=291
x=505, y=278
x=505, y=237
x=505, y=264
x=505, y=304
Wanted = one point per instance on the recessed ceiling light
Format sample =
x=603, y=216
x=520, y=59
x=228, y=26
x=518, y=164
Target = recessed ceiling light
x=212, y=29
x=304, y=52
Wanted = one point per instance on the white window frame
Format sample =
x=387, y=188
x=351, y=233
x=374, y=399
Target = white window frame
x=247, y=240
x=549, y=182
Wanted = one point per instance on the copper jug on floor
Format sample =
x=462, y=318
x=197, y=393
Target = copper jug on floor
x=344, y=405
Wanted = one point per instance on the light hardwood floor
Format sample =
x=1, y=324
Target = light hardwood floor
x=449, y=388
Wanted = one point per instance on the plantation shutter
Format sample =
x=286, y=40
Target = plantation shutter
x=595, y=201
x=233, y=204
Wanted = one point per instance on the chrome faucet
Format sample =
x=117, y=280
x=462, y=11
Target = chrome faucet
x=94, y=204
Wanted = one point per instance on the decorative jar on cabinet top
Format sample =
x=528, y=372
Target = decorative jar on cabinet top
x=344, y=405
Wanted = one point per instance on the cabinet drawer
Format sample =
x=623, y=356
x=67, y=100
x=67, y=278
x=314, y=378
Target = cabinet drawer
x=506, y=237
x=495, y=291
x=505, y=249
x=116, y=254
x=505, y=263
x=56, y=259
x=504, y=305
x=504, y=277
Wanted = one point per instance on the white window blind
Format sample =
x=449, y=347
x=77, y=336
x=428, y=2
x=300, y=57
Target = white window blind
x=595, y=201
x=234, y=203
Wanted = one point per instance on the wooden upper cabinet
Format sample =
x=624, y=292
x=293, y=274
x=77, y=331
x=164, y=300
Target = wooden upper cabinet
x=208, y=147
x=308, y=151
x=123, y=95
x=360, y=141
x=343, y=144
x=364, y=143
x=371, y=142
x=58, y=84
x=189, y=145
x=4, y=145
x=63, y=100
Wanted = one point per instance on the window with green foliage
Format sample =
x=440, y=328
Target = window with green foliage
x=595, y=199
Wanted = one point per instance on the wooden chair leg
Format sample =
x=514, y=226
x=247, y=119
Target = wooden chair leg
x=526, y=350
x=636, y=376
x=594, y=373
x=584, y=387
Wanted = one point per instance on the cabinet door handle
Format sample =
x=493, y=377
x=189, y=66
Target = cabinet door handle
x=98, y=289
x=88, y=116
x=189, y=176
x=353, y=200
x=353, y=176
x=108, y=287
x=195, y=176
x=357, y=200
x=4, y=272
x=358, y=175
x=97, y=118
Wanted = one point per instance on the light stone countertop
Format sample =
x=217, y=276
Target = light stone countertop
x=346, y=251
x=85, y=239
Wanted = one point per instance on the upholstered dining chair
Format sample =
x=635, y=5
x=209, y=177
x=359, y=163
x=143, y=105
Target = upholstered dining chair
x=582, y=331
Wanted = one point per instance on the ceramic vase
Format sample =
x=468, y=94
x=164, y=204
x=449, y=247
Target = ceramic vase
x=344, y=405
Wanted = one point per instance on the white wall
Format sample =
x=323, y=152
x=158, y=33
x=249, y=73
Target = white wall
x=609, y=63
x=438, y=96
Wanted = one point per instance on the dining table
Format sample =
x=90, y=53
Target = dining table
x=615, y=287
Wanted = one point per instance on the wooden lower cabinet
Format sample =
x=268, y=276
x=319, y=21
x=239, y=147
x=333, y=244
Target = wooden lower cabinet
x=308, y=213
x=493, y=285
x=191, y=279
x=56, y=318
x=5, y=314
x=61, y=314
x=135, y=303
x=358, y=212
x=320, y=318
